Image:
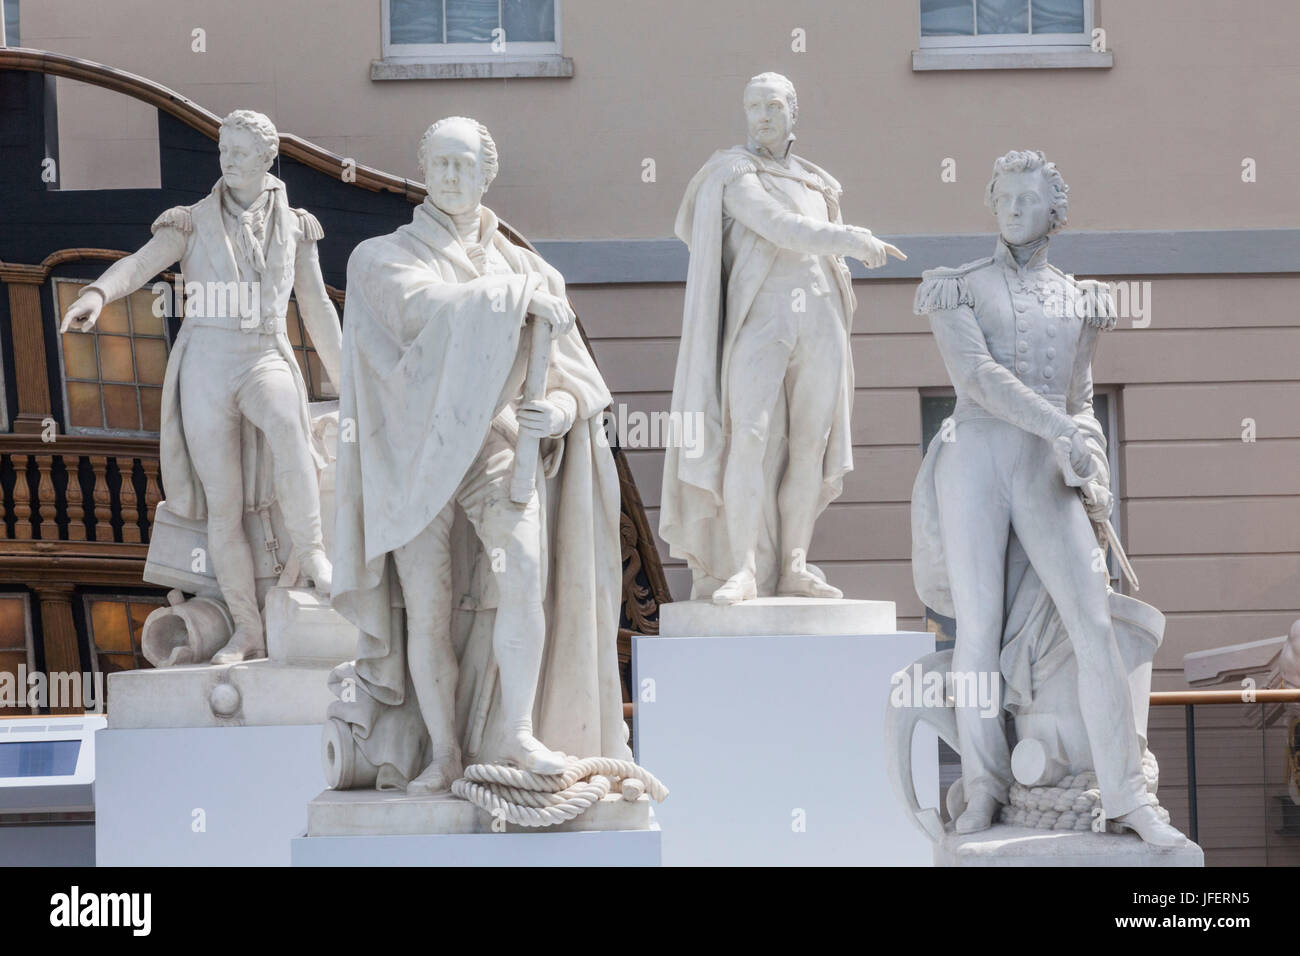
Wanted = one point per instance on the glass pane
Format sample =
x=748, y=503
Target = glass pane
x=1058, y=16
x=1002, y=16
x=151, y=409
x=108, y=626
x=39, y=758
x=68, y=292
x=79, y=355
x=138, y=611
x=9, y=661
x=115, y=358
x=292, y=324
x=112, y=318
x=112, y=663
x=12, y=37
x=528, y=21
x=150, y=361
x=315, y=384
x=120, y=408
x=934, y=409
x=13, y=623
x=941, y=18
x=471, y=21
x=143, y=321
x=415, y=21
x=83, y=406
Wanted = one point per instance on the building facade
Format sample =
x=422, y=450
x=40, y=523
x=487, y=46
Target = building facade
x=1170, y=120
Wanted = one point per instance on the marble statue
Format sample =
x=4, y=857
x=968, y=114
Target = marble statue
x=477, y=539
x=1010, y=520
x=237, y=444
x=764, y=361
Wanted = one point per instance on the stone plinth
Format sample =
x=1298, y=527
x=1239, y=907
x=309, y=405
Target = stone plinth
x=769, y=616
x=1004, y=845
x=387, y=813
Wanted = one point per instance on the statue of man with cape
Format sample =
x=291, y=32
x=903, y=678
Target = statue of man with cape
x=764, y=363
x=487, y=627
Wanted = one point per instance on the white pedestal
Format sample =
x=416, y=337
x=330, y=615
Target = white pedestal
x=1004, y=845
x=773, y=748
x=544, y=848
x=247, y=786
x=392, y=813
x=209, y=765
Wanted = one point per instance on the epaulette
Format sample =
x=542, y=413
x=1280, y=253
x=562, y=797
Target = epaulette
x=1098, y=303
x=945, y=288
x=178, y=217
x=311, y=227
x=741, y=167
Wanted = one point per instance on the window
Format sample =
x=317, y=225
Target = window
x=113, y=375
x=17, y=651
x=470, y=38
x=1007, y=34
x=11, y=37
x=115, y=622
x=319, y=388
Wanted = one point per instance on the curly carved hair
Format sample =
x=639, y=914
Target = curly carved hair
x=487, y=146
x=259, y=125
x=1028, y=160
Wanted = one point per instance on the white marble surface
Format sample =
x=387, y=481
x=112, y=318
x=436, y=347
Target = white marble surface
x=235, y=435
x=306, y=637
x=302, y=628
x=774, y=748
x=253, y=693
x=461, y=349
x=203, y=796
x=621, y=848
x=1003, y=845
x=374, y=813
x=1009, y=506
x=776, y=615
x=771, y=390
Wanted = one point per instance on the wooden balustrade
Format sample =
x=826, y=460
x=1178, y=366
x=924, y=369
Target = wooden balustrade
x=78, y=489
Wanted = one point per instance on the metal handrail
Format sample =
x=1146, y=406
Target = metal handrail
x=1188, y=699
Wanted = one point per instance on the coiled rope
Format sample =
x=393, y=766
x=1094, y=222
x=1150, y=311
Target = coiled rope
x=541, y=800
x=1070, y=803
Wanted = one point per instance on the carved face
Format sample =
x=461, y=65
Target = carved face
x=244, y=159
x=767, y=111
x=1023, y=205
x=453, y=169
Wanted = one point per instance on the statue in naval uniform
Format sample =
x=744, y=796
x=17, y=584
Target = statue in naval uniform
x=1027, y=467
x=235, y=428
x=764, y=362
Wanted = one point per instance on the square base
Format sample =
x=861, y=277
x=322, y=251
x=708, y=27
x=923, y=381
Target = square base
x=392, y=813
x=203, y=796
x=1004, y=845
x=538, y=848
x=774, y=748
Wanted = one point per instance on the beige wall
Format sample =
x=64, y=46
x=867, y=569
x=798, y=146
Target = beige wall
x=1154, y=143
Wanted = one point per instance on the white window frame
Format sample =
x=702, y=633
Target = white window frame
x=1010, y=42
x=467, y=52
